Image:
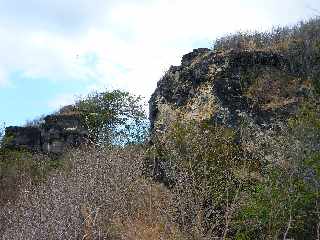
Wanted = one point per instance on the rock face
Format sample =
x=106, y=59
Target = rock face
x=252, y=90
x=224, y=86
x=24, y=137
x=56, y=133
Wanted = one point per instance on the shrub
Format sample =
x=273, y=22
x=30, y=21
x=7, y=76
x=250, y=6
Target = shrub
x=249, y=184
x=18, y=167
x=284, y=203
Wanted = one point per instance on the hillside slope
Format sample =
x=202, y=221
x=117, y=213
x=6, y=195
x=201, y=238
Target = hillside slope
x=233, y=153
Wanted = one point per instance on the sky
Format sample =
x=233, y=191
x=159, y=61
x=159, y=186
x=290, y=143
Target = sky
x=54, y=51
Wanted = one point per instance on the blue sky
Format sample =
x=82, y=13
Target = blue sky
x=54, y=50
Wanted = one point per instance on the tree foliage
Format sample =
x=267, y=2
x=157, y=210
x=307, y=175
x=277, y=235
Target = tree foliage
x=113, y=117
x=2, y=130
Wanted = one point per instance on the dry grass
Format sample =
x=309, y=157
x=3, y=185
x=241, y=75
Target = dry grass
x=102, y=195
x=274, y=90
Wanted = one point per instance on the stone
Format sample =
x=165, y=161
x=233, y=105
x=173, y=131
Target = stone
x=25, y=137
x=216, y=86
x=55, y=134
x=225, y=88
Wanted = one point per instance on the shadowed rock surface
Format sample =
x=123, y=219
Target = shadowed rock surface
x=56, y=133
x=24, y=137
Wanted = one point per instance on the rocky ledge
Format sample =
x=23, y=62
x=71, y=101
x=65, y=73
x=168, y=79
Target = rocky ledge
x=54, y=134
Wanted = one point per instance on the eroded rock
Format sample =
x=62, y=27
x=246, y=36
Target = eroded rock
x=55, y=134
x=222, y=86
x=251, y=90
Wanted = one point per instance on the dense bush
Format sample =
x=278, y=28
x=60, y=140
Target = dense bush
x=20, y=167
x=264, y=187
x=209, y=176
x=220, y=188
x=284, y=203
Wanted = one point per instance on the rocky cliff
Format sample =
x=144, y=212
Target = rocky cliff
x=252, y=90
x=54, y=134
x=225, y=86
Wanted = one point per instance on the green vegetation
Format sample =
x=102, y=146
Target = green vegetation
x=285, y=202
x=18, y=167
x=205, y=164
x=114, y=117
x=219, y=190
x=229, y=193
x=214, y=182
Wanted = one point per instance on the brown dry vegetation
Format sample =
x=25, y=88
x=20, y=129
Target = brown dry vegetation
x=300, y=44
x=265, y=186
x=100, y=195
x=220, y=190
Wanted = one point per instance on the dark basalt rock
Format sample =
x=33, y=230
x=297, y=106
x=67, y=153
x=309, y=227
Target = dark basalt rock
x=56, y=134
x=25, y=137
x=188, y=58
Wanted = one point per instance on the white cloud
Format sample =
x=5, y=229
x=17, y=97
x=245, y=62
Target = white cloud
x=3, y=78
x=133, y=41
x=61, y=100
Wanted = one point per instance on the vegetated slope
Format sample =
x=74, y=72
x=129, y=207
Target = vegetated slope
x=241, y=122
x=101, y=196
x=234, y=147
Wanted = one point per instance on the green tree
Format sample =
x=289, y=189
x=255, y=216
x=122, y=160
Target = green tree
x=113, y=117
x=2, y=129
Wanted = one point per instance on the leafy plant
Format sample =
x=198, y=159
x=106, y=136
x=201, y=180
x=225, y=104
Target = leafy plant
x=2, y=131
x=114, y=117
x=281, y=206
x=284, y=203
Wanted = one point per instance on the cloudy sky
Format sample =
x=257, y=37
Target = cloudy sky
x=52, y=51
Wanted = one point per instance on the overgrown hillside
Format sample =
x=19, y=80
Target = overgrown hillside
x=233, y=152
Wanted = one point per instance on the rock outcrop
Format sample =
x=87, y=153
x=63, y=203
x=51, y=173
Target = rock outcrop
x=231, y=89
x=54, y=134
x=224, y=86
